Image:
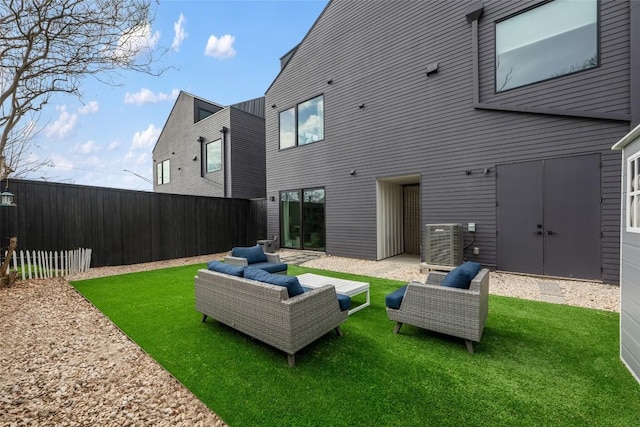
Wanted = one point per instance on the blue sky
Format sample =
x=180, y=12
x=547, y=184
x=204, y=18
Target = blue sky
x=223, y=51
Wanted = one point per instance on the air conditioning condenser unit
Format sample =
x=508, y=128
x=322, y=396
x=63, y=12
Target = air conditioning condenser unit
x=444, y=245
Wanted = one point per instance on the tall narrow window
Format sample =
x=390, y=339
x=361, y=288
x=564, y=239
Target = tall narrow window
x=302, y=124
x=290, y=214
x=288, y=128
x=558, y=38
x=214, y=156
x=163, y=172
x=633, y=194
x=311, y=121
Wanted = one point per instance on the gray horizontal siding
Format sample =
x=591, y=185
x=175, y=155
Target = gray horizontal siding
x=179, y=143
x=376, y=53
x=583, y=91
x=246, y=138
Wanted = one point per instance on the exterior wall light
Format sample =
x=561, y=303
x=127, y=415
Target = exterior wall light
x=6, y=199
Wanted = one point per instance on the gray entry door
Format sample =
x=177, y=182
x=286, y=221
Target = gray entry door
x=549, y=217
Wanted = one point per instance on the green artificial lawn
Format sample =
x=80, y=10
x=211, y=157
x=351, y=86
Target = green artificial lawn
x=538, y=364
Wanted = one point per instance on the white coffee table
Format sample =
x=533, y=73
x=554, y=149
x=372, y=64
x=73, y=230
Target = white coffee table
x=344, y=287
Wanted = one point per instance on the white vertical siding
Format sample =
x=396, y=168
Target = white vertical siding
x=629, y=281
x=389, y=218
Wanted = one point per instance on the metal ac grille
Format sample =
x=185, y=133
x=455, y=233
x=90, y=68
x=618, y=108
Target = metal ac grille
x=444, y=244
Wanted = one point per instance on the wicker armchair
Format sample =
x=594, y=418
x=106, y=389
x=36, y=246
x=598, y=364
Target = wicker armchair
x=457, y=312
x=266, y=261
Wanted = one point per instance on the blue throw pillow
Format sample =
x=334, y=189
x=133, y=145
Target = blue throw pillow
x=461, y=276
x=253, y=254
x=290, y=282
x=472, y=268
x=221, y=267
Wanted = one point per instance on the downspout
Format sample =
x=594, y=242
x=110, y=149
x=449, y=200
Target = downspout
x=473, y=14
x=224, y=132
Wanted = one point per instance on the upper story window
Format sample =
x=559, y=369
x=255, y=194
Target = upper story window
x=633, y=193
x=558, y=38
x=214, y=156
x=163, y=172
x=302, y=124
x=203, y=113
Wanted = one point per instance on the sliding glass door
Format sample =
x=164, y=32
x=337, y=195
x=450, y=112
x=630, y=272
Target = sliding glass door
x=302, y=219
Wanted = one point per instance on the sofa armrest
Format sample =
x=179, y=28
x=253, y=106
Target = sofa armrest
x=435, y=277
x=274, y=258
x=312, y=313
x=232, y=260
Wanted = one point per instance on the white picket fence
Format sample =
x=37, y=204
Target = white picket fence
x=42, y=264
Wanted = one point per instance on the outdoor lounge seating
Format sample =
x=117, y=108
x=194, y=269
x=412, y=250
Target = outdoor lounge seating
x=445, y=306
x=271, y=308
x=255, y=256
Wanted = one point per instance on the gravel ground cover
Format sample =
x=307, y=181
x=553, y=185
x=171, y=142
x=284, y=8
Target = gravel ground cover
x=63, y=363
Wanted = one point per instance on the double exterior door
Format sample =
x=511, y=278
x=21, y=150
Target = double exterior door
x=548, y=217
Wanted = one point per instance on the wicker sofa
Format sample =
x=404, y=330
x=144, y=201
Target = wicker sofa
x=457, y=312
x=266, y=313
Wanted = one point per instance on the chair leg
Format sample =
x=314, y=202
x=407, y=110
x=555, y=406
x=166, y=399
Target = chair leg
x=204, y=318
x=469, y=346
x=397, y=328
x=291, y=358
x=338, y=331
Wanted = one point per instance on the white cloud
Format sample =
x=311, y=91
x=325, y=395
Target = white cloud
x=134, y=42
x=64, y=126
x=146, y=96
x=93, y=161
x=90, y=108
x=88, y=148
x=180, y=34
x=221, y=48
x=60, y=162
x=114, y=146
x=146, y=138
x=143, y=159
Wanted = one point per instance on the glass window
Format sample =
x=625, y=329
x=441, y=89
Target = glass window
x=214, y=156
x=203, y=114
x=163, y=172
x=633, y=194
x=302, y=214
x=290, y=214
x=552, y=40
x=302, y=124
x=288, y=128
x=311, y=121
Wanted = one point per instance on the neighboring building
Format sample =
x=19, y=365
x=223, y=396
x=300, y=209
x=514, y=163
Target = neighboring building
x=392, y=114
x=630, y=252
x=206, y=149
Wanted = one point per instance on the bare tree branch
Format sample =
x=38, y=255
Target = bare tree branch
x=50, y=46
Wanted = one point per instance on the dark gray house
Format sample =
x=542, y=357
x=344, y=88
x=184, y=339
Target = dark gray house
x=630, y=252
x=496, y=114
x=206, y=149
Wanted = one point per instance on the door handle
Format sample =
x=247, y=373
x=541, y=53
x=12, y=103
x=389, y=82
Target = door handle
x=549, y=232
x=539, y=232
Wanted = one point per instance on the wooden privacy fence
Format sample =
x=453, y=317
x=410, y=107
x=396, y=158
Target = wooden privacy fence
x=47, y=264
